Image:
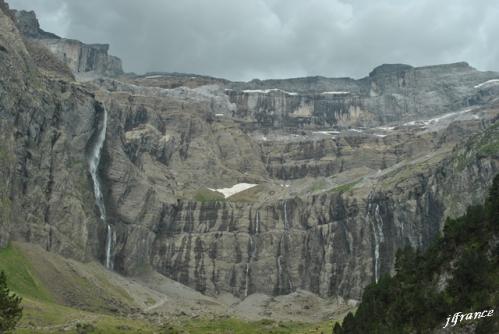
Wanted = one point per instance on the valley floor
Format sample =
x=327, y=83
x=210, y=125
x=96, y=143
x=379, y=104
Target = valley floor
x=61, y=295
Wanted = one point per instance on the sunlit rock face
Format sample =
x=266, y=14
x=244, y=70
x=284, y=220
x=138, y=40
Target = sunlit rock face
x=345, y=171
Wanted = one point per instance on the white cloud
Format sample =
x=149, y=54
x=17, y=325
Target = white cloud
x=279, y=38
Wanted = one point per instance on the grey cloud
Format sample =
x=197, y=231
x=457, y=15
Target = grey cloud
x=242, y=40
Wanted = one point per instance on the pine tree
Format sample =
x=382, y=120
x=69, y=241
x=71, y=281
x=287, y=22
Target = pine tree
x=10, y=306
x=409, y=301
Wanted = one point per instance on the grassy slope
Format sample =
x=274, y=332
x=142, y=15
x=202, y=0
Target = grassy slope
x=41, y=310
x=263, y=326
x=20, y=277
x=43, y=313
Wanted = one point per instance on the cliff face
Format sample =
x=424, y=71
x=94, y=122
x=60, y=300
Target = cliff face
x=345, y=171
x=331, y=206
x=29, y=26
x=459, y=271
x=46, y=127
x=82, y=59
x=391, y=93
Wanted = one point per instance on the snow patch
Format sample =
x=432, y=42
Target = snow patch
x=492, y=82
x=154, y=76
x=437, y=119
x=266, y=91
x=237, y=188
x=335, y=93
x=327, y=132
x=386, y=128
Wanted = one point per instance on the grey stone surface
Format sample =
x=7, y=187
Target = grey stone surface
x=82, y=59
x=411, y=146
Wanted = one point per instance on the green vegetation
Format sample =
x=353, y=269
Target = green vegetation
x=94, y=323
x=41, y=317
x=489, y=149
x=5, y=208
x=488, y=143
x=408, y=171
x=207, y=195
x=10, y=307
x=458, y=273
x=6, y=161
x=345, y=187
x=20, y=277
x=461, y=160
x=482, y=145
x=231, y=325
x=39, y=278
x=43, y=314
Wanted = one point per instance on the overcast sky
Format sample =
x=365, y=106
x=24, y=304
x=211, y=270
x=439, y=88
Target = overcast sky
x=241, y=40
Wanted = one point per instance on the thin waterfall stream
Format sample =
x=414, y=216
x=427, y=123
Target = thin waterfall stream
x=378, y=239
x=252, y=254
x=95, y=157
x=285, y=235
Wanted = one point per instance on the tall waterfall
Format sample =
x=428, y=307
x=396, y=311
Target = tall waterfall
x=246, y=289
x=285, y=235
x=252, y=248
x=286, y=226
x=94, y=162
x=109, y=243
x=257, y=222
x=376, y=221
x=252, y=252
x=376, y=253
x=251, y=256
x=95, y=156
x=379, y=238
x=279, y=267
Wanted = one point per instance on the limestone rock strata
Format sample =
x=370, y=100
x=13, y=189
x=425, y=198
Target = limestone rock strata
x=84, y=58
x=81, y=58
x=390, y=93
x=46, y=126
x=347, y=171
x=330, y=211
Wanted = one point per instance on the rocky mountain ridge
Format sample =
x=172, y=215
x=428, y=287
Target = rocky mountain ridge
x=84, y=60
x=345, y=171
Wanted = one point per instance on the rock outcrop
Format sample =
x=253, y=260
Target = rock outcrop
x=84, y=59
x=346, y=171
x=87, y=60
x=331, y=207
x=29, y=26
x=391, y=93
x=47, y=126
